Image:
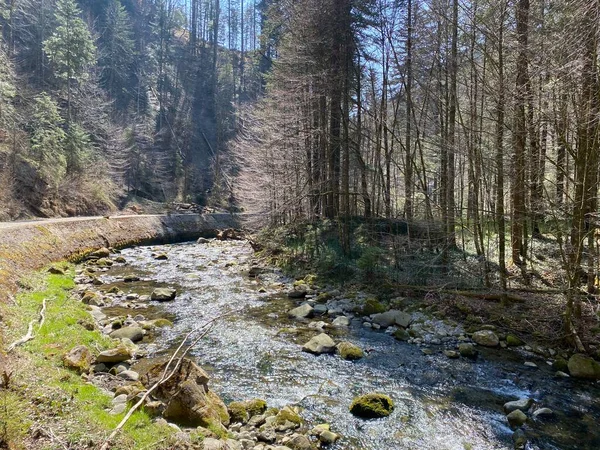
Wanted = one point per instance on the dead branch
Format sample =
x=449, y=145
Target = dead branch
x=166, y=375
x=30, y=336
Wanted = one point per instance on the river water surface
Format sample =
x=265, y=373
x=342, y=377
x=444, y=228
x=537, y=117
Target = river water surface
x=255, y=352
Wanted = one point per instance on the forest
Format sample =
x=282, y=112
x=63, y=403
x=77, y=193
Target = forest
x=427, y=168
x=470, y=126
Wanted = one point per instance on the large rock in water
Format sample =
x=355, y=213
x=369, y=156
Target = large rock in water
x=186, y=395
x=134, y=334
x=349, y=351
x=163, y=294
x=393, y=317
x=487, y=338
x=320, y=344
x=372, y=406
x=301, y=312
x=582, y=366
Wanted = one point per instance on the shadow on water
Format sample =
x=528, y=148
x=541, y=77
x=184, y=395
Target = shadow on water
x=440, y=403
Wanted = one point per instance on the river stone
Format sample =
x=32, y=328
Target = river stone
x=320, y=344
x=393, y=317
x=92, y=298
x=186, y=395
x=523, y=404
x=519, y=439
x=582, y=366
x=516, y=418
x=297, y=293
x=341, y=322
x=467, y=350
x=514, y=341
x=349, y=351
x=561, y=365
x=114, y=355
x=301, y=312
x=161, y=257
x=452, y=354
x=372, y=306
x=320, y=309
x=372, y=406
x=129, y=375
x=54, y=270
x=134, y=334
x=163, y=294
x=79, y=359
x=130, y=278
x=328, y=437
x=298, y=442
x=486, y=338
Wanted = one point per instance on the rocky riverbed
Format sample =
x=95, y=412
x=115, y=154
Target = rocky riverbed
x=305, y=353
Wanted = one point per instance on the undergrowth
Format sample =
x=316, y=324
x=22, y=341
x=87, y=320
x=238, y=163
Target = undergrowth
x=45, y=403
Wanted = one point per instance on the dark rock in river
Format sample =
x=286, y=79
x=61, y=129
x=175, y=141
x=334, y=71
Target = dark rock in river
x=582, y=366
x=372, y=406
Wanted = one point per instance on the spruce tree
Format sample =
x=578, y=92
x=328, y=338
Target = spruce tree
x=70, y=48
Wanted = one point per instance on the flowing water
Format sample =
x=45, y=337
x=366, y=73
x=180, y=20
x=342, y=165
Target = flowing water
x=255, y=352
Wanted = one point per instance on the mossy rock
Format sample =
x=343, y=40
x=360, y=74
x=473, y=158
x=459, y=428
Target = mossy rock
x=256, y=406
x=561, y=365
x=372, y=306
x=324, y=297
x=372, y=406
x=287, y=414
x=238, y=412
x=514, y=341
x=401, y=335
x=349, y=351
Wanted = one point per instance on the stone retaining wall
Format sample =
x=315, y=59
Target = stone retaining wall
x=28, y=246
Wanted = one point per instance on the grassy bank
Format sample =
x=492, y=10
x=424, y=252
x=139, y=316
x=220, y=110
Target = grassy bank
x=42, y=404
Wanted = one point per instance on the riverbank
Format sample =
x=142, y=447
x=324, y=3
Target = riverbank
x=28, y=246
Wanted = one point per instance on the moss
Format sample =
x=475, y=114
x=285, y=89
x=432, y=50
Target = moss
x=372, y=406
x=43, y=386
x=350, y=351
x=238, y=412
x=287, y=414
x=372, y=306
x=514, y=341
x=256, y=406
x=401, y=335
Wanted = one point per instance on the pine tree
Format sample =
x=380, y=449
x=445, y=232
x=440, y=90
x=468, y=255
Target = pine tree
x=70, y=48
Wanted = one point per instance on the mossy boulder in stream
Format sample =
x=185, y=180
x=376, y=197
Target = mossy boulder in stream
x=372, y=406
x=582, y=366
x=372, y=306
x=241, y=412
x=514, y=341
x=349, y=351
x=186, y=395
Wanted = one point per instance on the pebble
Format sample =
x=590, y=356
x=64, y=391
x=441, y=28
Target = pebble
x=530, y=364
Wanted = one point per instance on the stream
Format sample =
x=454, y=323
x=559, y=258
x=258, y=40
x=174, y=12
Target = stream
x=255, y=352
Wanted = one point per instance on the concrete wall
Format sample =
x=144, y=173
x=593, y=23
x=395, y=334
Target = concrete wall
x=28, y=246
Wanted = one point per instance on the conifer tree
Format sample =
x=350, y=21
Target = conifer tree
x=70, y=48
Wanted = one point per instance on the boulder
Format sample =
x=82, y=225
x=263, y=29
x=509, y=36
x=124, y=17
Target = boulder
x=514, y=341
x=238, y=412
x=297, y=293
x=92, y=298
x=467, y=350
x=287, y=417
x=561, y=365
x=452, y=354
x=486, y=338
x=583, y=366
x=341, y=322
x=349, y=351
x=130, y=278
x=114, y=355
x=328, y=437
x=319, y=344
x=186, y=395
x=163, y=294
x=372, y=306
x=161, y=257
x=299, y=442
x=129, y=375
x=516, y=418
x=134, y=334
x=523, y=404
x=393, y=317
x=372, y=406
x=401, y=335
x=78, y=359
x=301, y=312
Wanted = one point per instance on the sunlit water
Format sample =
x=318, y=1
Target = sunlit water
x=255, y=353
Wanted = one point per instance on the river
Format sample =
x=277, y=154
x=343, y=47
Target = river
x=255, y=352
